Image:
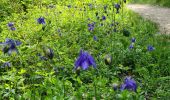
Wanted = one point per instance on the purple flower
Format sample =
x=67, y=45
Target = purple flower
x=12, y=28
x=91, y=26
x=84, y=61
x=133, y=40
x=41, y=20
x=10, y=45
x=6, y=64
x=103, y=17
x=10, y=24
x=131, y=46
x=117, y=6
x=150, y=48
x=129, y=84
x=95, y=38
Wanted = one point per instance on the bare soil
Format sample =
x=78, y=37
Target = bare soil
x=154, y=13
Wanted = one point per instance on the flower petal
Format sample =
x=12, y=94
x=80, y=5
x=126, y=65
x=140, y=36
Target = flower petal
x=123, y=86
x=91, y=61
x=85, y=65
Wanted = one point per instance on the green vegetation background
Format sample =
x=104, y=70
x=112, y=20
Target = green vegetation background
x=165, y=3
x=39, y=80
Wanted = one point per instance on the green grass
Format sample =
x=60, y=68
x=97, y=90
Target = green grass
x=164, y=3
x=66, y=33
x=156, y=74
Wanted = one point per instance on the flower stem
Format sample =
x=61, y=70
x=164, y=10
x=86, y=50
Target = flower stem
x=64, y=88
x=95, y=89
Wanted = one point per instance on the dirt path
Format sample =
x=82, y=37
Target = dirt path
x=154, y=13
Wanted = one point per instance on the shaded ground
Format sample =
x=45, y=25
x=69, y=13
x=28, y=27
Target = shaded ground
x=154, y=13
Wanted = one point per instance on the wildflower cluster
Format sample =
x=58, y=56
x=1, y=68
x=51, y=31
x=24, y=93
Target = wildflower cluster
x=10, y=46
x=91, y=26
x=47, y=57
x=11, y=26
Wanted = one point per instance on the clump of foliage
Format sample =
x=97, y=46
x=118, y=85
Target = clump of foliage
x=164, y=3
